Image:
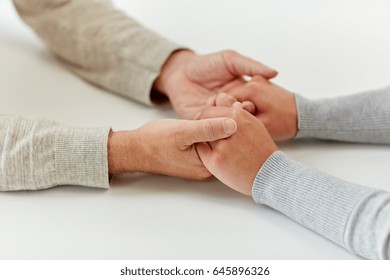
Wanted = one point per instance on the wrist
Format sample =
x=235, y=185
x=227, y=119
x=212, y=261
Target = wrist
x=306, y=116
x=293, y=118
x=174, y=64
x=122, y=153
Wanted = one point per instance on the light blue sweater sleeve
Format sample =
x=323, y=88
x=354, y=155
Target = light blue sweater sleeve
x=353, y=216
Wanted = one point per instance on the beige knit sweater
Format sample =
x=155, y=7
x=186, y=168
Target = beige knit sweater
x=103, y=46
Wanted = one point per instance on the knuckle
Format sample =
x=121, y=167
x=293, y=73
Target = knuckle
x=229, y=54
x=253, y=86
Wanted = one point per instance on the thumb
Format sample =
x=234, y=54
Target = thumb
x=208, y=130
x=240, y=65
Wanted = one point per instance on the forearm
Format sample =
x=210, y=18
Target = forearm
x=99, y=43
x=41, y=154
x=355, y=217
x=363, y=117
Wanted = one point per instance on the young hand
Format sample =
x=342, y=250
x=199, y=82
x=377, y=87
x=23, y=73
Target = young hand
x=275, y=106
x=236, y=160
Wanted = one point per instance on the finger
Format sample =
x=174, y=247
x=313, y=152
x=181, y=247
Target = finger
x=241, y=94
x=217, y=112
x=233, y=84
x=225, y=100
x=211, y=101
x=249, y=106
x=259, y=79
x=240, y=65
x=208, y=130
x=237, y=105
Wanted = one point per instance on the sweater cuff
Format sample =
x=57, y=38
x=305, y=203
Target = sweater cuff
x=140, y=87
x=80, y=156
x=316, y=200
x=307, y=119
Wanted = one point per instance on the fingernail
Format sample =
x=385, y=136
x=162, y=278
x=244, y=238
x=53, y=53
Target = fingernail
x=229, y=126
x=237, y=104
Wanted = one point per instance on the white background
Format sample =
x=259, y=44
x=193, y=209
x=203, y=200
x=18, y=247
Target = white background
x=320, y=48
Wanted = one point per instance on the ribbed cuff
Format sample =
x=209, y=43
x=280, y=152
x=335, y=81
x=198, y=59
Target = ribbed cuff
x=81, y=156
x=307, y=117
x=320, y=119
x=316, y=200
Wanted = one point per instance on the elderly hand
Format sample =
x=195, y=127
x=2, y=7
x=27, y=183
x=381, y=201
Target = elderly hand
x=166, y=147
x=188, y=80
x=236, y=160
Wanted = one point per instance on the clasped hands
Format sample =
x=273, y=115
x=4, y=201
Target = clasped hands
x=231, y=126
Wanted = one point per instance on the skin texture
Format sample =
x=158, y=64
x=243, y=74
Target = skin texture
x=236, y=160
x=275, y=106
x=188, y=79
x=166, y=147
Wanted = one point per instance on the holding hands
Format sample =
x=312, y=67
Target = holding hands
x=235, y=135
x=274, y=105
x=189, y=80
x=166, y=147
x=236, y=160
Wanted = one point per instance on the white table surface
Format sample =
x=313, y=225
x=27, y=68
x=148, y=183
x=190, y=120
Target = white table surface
x=321, y=49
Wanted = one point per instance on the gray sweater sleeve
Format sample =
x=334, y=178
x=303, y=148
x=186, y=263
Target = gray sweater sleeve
x=41, y=154
x=363, y=117
x=353, y=216
x=105, y=47
x=100, y=43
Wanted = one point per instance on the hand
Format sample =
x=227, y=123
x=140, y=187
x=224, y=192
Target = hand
x=166, y=147
x=188, y=80
x=236, y=160
x=275, y=106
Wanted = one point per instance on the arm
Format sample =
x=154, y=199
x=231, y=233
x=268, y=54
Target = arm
x=111, y=50
x=99, y=43
x=107, y=48
x=355, y=217
x=41, y=154
x=363, y=117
